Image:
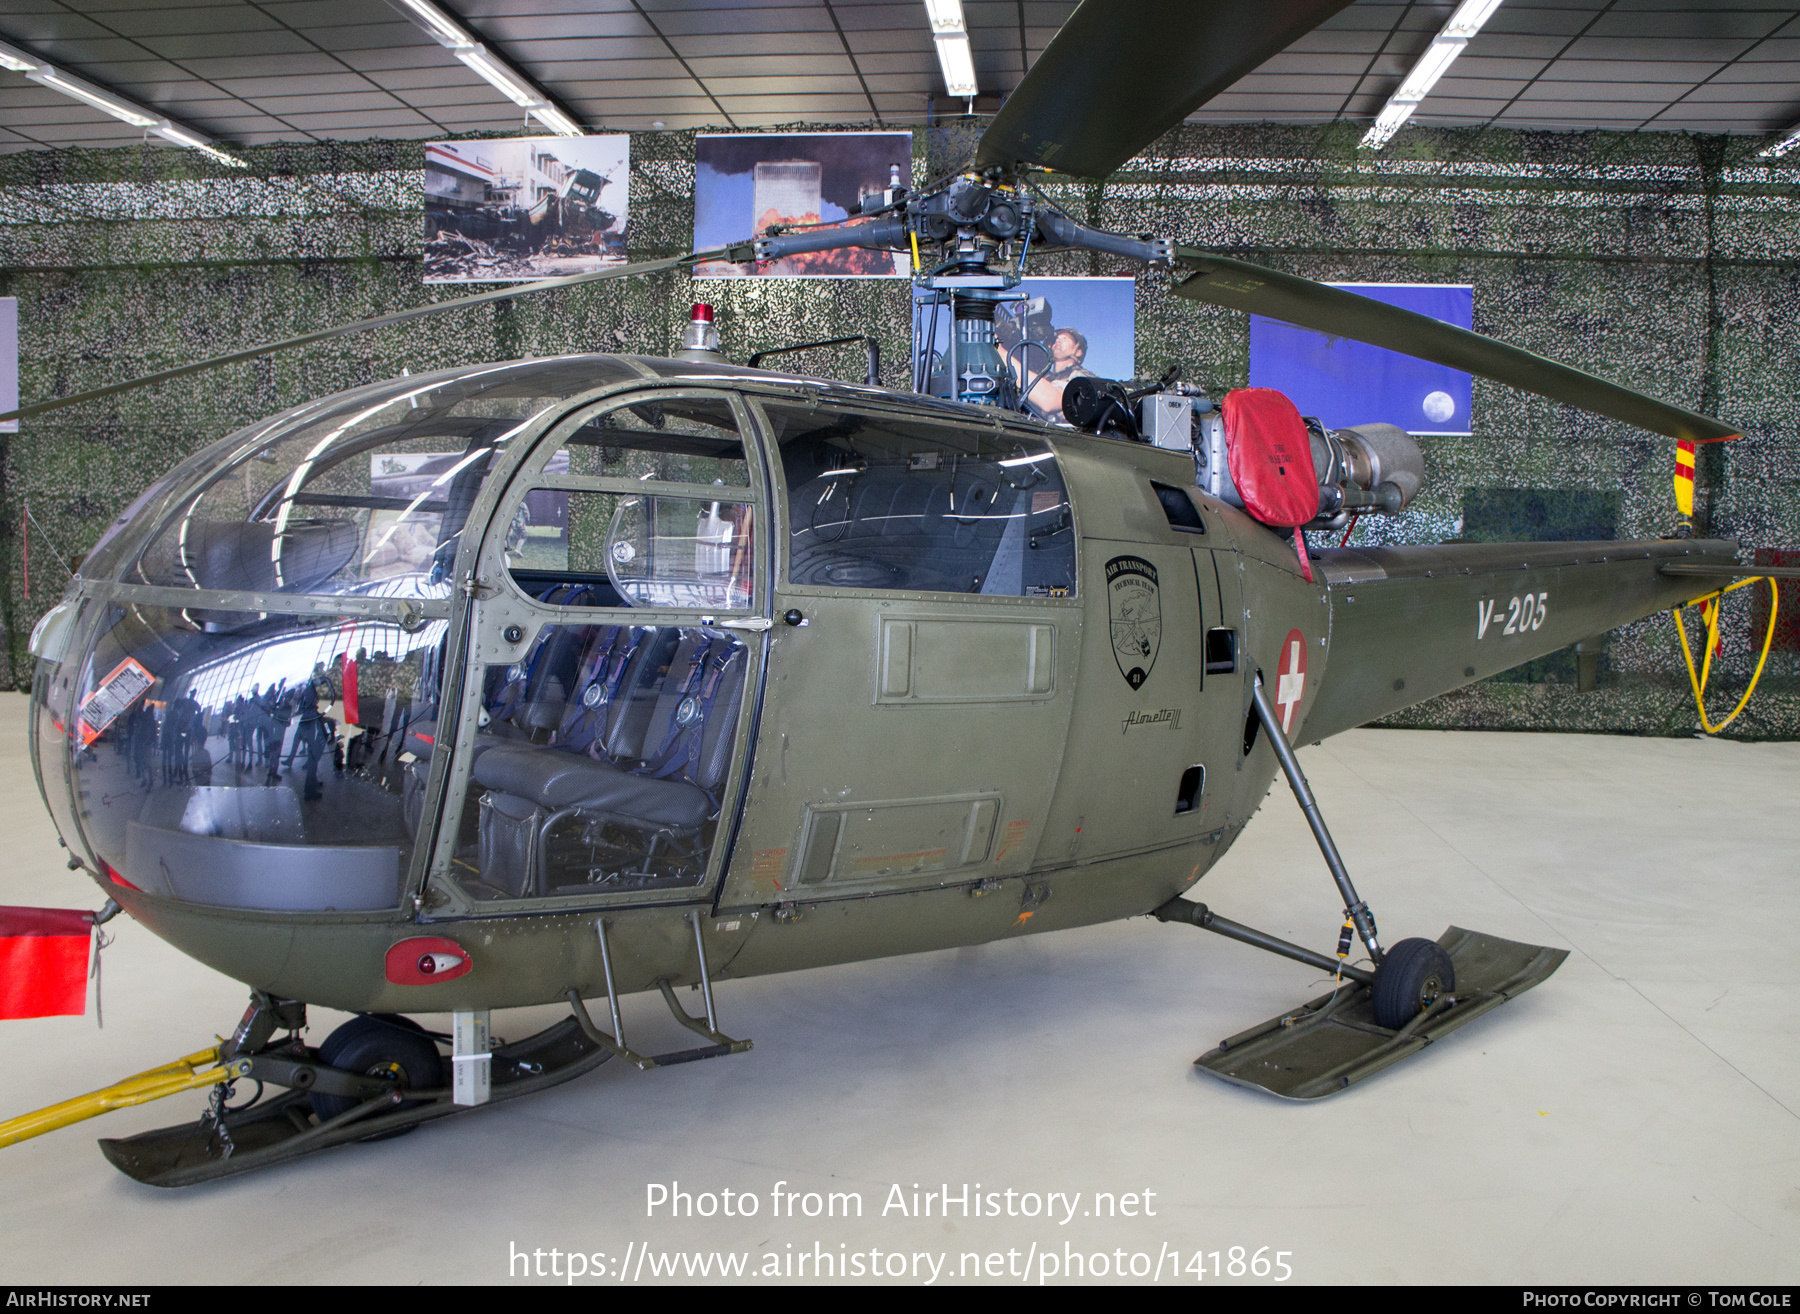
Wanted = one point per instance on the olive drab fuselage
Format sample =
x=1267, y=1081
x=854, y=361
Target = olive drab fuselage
x=888, y=769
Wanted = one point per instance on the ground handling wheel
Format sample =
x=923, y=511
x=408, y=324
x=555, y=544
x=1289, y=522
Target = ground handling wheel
x=1413, y=975
x=379, y=1045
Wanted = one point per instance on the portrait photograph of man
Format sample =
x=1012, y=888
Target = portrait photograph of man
x=1061, y=329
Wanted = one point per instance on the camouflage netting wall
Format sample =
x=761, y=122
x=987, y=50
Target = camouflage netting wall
x=1665, y=261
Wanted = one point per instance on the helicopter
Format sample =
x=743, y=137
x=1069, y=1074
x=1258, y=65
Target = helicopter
x=663, y=672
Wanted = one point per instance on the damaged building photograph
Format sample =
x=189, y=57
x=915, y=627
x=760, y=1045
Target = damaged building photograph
x=533, y=207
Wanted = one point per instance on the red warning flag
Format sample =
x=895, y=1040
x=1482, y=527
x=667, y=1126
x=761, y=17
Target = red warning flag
x=44, y=961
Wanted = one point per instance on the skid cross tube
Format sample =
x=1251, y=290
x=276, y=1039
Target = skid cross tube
x=1354, y=908
x=1198, y=914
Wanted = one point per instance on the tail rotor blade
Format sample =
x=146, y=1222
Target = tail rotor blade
x=1121, y=73
x=1221, y=281
x=380, y=321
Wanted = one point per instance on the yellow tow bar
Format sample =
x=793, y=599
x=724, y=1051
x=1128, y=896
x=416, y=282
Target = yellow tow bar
x=170, y=1079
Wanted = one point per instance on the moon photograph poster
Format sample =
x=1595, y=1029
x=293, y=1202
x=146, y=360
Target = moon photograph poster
x=1344, y=382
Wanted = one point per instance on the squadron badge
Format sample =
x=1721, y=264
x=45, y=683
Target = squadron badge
x=1135, y=605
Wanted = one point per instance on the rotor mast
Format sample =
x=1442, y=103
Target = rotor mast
x=981, y=225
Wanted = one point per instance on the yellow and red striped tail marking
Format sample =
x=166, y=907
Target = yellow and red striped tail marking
x=1684, y=503
x=1684, y=477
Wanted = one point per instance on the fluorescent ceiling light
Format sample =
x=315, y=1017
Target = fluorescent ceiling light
x=49, y=77
x=951, y=34
x=1387, y=123
x=507, y=82
x=1468, y=19
x=1431, y=66
x=1781, y=147
x=555, y=120
x=945, y=15
x=15, y=60
x=957, y=63
x=444, y=28
x=138, y=116
x=182, y=137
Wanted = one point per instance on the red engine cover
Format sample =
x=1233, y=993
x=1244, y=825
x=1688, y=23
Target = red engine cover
x=420, y=961
x=1270, y=456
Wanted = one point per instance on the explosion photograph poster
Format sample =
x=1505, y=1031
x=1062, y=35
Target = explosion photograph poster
x=743, y=182
x=514, y=209
x=1062, y=328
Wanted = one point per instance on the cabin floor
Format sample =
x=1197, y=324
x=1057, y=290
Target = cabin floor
x=1636, y=1119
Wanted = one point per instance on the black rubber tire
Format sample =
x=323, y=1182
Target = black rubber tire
x=1412, y=975
x=379, y=1044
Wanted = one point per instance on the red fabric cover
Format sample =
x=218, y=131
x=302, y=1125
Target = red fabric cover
x=351, y=703
x=44, y=961
x=1271, y=456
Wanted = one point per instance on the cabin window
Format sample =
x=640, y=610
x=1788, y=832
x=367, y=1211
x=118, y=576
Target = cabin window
x=637, y=550
x=882, y=501
x=678, y=440
x=602, y=525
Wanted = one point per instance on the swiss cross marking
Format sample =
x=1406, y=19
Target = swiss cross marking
x=1290, y=685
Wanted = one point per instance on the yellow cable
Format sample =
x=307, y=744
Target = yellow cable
x=915, y=247
x=1698, y=682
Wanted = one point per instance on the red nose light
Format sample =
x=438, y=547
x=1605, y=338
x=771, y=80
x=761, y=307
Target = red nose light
x=426, y=960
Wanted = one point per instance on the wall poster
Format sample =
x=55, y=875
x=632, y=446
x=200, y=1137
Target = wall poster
x=1344, y=382
x=9, y=361
x=1064, y=327
x=743, y=182
x=514, y=209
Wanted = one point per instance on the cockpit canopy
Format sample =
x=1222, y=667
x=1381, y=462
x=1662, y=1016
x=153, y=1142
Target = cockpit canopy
x=364, y=492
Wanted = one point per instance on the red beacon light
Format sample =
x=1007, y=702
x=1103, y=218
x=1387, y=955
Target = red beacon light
x=700, y=339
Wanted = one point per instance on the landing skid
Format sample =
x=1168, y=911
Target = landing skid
x=1333, y=1042
x=281, y=1129
x=355, y=1087
x=1420, y=991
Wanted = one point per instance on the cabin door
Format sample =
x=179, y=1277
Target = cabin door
x=921, y=666
x=616, y=644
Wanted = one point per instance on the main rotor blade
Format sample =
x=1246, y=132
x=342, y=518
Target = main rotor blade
x=1221, y=281
x=380, y=321
x=1121, y=73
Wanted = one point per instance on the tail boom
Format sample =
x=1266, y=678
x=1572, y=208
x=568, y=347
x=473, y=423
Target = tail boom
x=1409, y=623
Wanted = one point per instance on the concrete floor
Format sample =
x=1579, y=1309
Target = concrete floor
x=1634, y=1120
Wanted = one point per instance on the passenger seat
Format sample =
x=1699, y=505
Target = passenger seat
x=670, y=743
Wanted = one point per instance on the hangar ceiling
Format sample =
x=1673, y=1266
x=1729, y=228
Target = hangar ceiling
x=254, y=71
